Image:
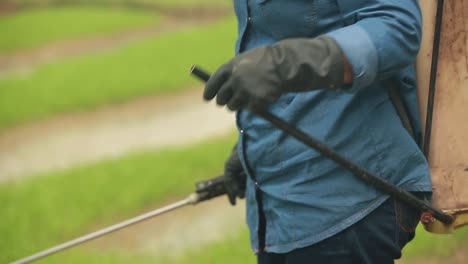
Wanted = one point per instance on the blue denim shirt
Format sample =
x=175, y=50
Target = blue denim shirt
x=306, y=197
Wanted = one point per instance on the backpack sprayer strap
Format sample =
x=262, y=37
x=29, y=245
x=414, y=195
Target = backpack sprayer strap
x=400, y=107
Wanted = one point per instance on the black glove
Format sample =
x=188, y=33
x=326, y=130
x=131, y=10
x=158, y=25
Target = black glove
x=261, y=75
x=234, y=177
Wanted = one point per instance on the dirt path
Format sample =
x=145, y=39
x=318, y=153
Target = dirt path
x=27, y=59
x=73, y=139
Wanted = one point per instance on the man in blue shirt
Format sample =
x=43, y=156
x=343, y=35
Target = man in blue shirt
x=322, y=65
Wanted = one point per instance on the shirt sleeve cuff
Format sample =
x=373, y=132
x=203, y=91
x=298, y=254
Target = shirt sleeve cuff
x=361, y=53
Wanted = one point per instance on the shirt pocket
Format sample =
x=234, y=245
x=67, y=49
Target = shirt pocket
x=286, y=18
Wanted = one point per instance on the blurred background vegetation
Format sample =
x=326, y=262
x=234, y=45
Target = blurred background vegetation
x=63, y=57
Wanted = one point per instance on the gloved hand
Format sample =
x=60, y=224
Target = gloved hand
x=234, y=177
x=261, y=75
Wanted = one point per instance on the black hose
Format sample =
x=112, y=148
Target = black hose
x=378, y=182
x=433, y=78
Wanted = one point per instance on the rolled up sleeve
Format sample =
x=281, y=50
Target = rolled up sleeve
x=382, y=37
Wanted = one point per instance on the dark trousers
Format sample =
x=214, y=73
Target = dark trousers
x=378, y=238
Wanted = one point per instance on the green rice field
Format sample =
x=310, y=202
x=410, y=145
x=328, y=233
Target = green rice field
x=153, y=66
x=55, y=24
x=65, y=204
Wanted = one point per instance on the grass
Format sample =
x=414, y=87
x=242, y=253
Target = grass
x=427, y=244
x=162, y=3
x=37, y=27
x=94, y=257
x=232, y=250
x=187, y=3
x=58, y=206
x=149, y=67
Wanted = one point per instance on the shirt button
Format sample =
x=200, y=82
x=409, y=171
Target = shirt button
x=249, y=18
x=241, y=131
x=257, y=185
